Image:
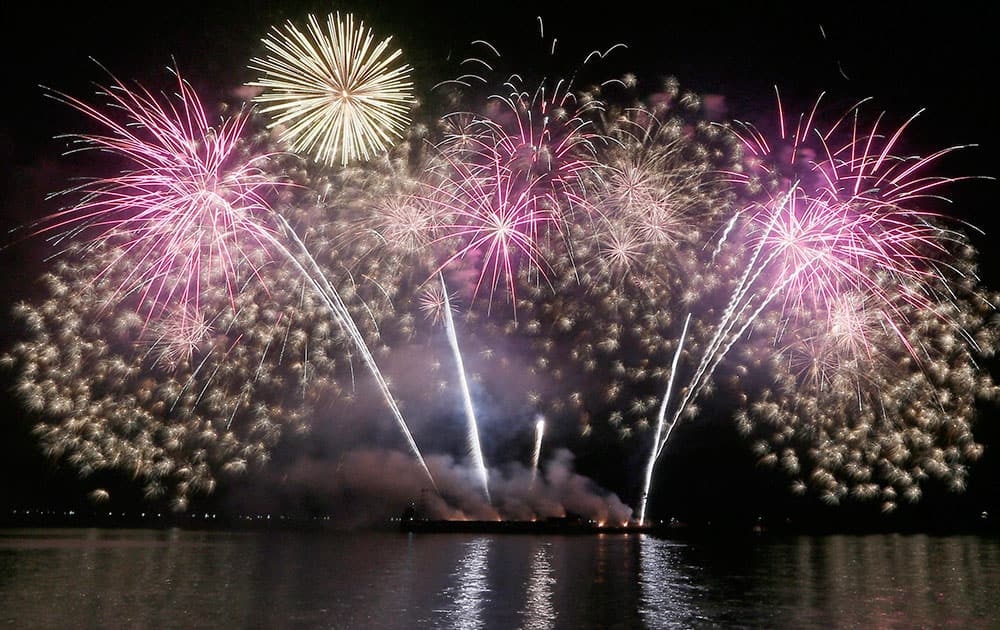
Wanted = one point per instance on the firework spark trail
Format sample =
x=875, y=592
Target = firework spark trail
x=475, y=447
x=328, y=293
x=655, y=451
x=740, y=298
x=537, y=454
x=723, y=342
x=717, y=357
x=741, y=301
x=843, y=241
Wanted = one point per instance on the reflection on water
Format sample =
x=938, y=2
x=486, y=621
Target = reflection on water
x=183, y=579
x=668, y=592
x=538, y=613
x=469, y=588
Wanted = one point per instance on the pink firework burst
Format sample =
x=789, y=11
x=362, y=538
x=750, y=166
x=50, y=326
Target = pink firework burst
x=844, y=211
x=543, y=132
x=847, y=217
x=545, y=143
x=520, y=168
x=824, y=246
x=846, y=161
x=517, y=176
x=187, y=210
x=493, y=222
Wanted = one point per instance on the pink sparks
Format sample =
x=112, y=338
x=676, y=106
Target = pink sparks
x=495, y=219
x=543, y=145
x=186, y=211
x=845, y=218
x=831, y=246
x=517, y=176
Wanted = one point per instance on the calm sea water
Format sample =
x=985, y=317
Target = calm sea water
x=74, y=578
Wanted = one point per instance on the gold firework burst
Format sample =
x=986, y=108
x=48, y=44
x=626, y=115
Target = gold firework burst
x=334, y=92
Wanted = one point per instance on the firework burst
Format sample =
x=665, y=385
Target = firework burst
x=334, y=92
x=850, y=414
x=597, y=331
x=175, y=338
x=188, y=201
x=495, y=226
x=847, y=208
x=183, y=221
x=519, y=166
x=176, y=405
x=435, y=303
x=877, y=336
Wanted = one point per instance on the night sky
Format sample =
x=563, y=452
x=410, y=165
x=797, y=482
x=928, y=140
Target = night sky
x=907, y=59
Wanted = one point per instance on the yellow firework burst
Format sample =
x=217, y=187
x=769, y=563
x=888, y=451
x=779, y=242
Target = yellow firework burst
x=334, y=93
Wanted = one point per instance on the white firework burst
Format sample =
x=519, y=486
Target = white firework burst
x=334, y=92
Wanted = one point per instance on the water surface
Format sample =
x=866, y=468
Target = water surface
x=188, y=579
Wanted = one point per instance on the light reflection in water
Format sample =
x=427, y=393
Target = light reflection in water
x=470, y=589
x=667, y=590
x=538, y=613
x=384, y=581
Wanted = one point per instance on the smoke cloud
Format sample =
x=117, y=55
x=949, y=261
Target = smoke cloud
x=366, y=487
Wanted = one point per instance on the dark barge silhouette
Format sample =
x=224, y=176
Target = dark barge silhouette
x=411, y=522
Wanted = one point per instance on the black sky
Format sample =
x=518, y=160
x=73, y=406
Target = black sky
x=940, y=58
x=933, y=58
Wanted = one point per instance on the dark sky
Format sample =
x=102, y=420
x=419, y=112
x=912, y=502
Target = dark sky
x=938, y=59
x=942, y=58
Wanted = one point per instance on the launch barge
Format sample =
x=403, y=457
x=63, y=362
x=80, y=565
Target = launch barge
x=409, y=523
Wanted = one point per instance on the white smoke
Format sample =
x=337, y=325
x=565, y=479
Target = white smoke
x=369, y=486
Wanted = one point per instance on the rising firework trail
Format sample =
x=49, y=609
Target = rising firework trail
x=536, y=456
x=328, y=293
x=655, y=451
x=475, y=448
x=741, y=302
